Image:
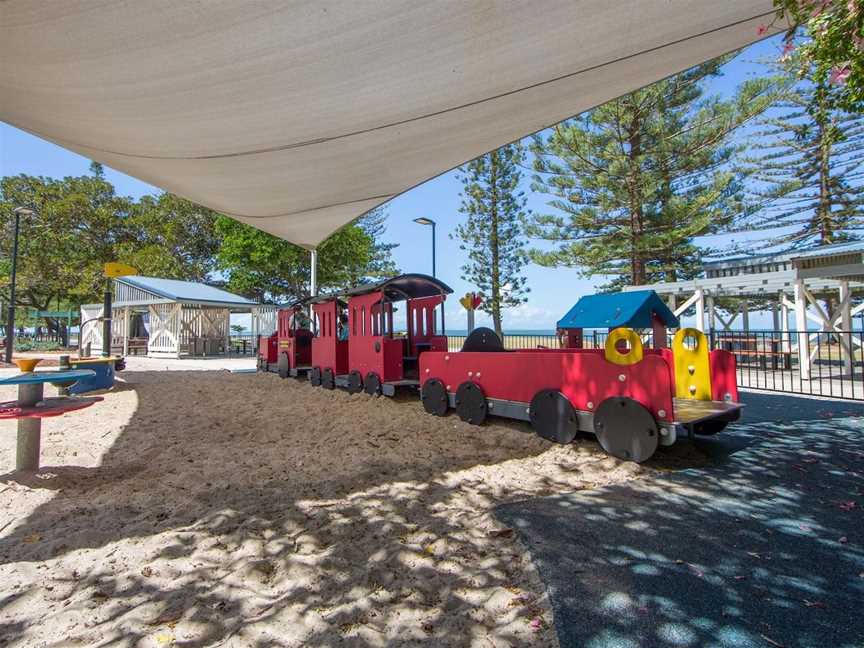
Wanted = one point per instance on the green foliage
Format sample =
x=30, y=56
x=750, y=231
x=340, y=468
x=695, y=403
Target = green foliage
x=834, y=52
x=81, y=223
x=265, y=267
x=637, y=179
x=806, y=163
x=492, y=233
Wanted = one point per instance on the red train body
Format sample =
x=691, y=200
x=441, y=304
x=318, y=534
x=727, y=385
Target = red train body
x=632, y=398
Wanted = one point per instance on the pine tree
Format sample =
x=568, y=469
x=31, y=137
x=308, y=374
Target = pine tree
x=381, y=264
x=806, y=170
x=492, y=233
x=637, y=179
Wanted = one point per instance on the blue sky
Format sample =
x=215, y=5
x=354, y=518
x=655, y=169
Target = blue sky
x=553, y=291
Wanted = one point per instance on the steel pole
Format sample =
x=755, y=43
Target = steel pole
x=106, y=321
x=433, y=249
x=10, y=320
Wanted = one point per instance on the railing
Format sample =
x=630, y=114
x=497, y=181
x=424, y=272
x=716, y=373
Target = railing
x=829, y=364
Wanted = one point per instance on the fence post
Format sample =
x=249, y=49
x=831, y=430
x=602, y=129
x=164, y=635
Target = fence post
x=846, y=327
x=801, y=326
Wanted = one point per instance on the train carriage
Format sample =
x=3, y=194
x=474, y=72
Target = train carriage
x=381, y=360
x=631, y=397
x=329, y=352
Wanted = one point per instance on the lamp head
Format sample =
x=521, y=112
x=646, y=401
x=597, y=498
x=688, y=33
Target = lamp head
x=23, y=211
x=424, y=221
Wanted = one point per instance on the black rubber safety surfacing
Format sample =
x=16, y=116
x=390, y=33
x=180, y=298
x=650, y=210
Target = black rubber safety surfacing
x=282, y=364
x=315, y=376
x=626, y=429
x=471, y=403
x=328, y=380
x=372, y=384
x=553, y=417
x=434, y=397
x=355, y=382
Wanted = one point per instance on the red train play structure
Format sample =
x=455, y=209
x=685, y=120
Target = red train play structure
x=633, y=397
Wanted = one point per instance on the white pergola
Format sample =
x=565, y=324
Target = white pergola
x=297, y=117
x=821, y=271
x=185, y=318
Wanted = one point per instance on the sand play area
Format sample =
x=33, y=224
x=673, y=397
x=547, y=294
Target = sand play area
x=204, y=508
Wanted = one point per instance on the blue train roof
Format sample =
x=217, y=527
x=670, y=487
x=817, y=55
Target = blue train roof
x=611, y=310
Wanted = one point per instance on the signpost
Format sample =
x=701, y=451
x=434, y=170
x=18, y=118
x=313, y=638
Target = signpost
x=113, y=269
x=470, y=302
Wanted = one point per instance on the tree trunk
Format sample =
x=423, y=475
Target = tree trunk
x=637, y=220
x=493, y=245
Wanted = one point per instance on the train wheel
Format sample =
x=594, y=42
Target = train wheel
x=553, y=417
x=315, y=376
x=372, y=384
x=626, y=429
x=471, y=403
x=328, y=381
x=710, y=427
x=282, y=364
x=434, y=397
x=355, y=382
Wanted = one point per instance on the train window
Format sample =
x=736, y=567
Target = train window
x=363, y=321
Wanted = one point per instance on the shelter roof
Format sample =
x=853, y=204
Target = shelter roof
x=178, y=291
x=611, y=310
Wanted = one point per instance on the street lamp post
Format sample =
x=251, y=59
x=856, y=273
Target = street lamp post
x=428, y=221
x=10, y=320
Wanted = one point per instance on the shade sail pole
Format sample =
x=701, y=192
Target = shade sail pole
x=313, y=276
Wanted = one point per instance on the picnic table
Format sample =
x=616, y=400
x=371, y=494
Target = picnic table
x=31, y=407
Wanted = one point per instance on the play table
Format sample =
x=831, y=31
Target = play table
x=31, y=408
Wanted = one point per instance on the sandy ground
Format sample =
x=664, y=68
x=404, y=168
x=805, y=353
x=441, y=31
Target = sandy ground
x=204, y=508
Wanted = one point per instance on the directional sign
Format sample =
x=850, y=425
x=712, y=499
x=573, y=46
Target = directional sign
x=56, y=314
x=114, y=269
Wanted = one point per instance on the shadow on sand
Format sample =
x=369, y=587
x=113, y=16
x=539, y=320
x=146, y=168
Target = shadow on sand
x=287, y=515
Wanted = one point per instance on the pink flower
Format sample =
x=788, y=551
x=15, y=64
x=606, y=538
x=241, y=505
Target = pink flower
x=762, y=30
x=839, y=75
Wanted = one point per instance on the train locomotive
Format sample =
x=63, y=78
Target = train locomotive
x=634, y=397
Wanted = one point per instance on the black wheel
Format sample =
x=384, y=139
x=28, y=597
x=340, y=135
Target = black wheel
x=372, y=384
x=434, y=397
x=328, y=380
x=258, y=363
x=626, y=429
x=553, y=417
x=355, y=382
x=710, y=427
x=282, y=365
x=471, y=403
x=315, y=376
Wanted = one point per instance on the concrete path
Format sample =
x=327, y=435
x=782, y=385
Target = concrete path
x=765, y=548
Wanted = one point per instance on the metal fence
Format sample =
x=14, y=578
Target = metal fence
x=829, y=364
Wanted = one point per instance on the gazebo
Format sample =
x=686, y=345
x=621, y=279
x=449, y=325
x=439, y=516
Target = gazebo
x=170, y=318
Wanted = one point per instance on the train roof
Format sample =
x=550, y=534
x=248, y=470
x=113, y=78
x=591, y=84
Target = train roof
x=406, y=286
x=317, y=299
x=611, y=310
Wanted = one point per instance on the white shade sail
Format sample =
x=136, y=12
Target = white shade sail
x=297, y=117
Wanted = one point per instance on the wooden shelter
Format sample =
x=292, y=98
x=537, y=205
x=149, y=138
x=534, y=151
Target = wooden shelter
x=170, y=318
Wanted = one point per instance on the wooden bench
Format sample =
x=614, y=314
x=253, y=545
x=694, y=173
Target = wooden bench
x=747, y=346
